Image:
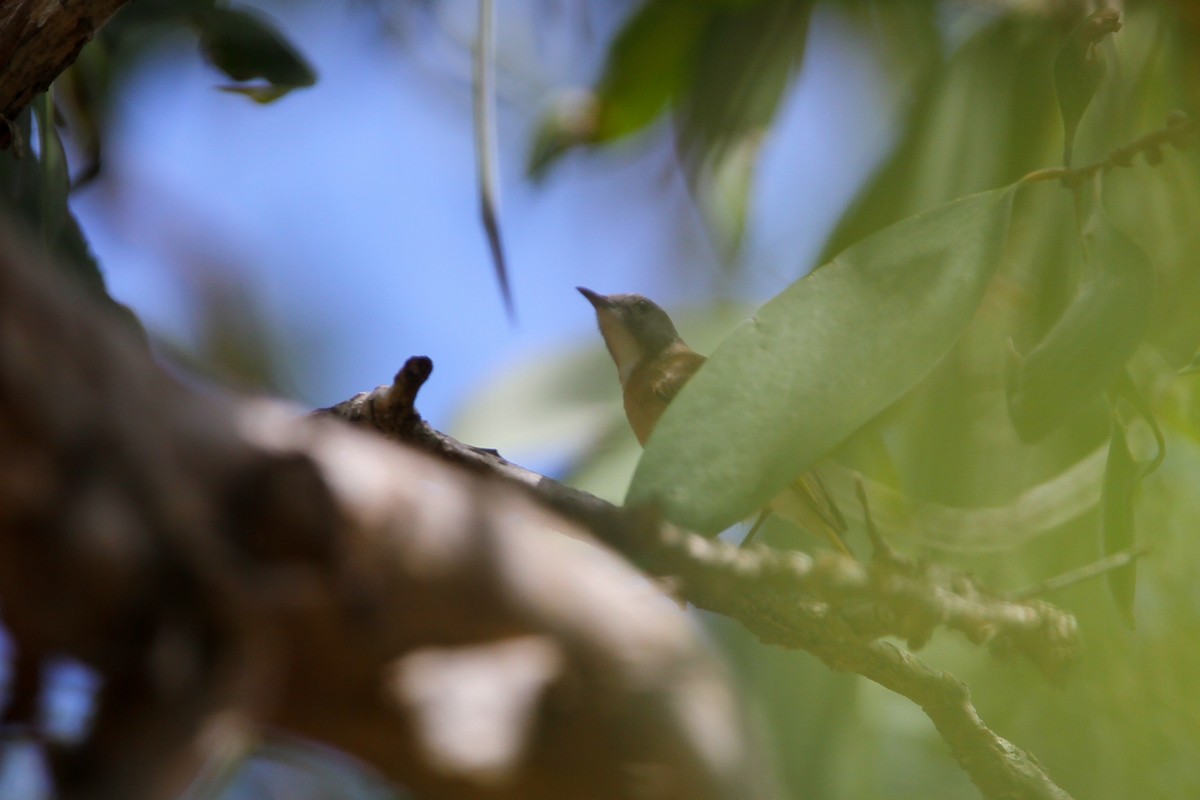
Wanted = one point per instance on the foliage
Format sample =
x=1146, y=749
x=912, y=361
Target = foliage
x=973, y=335
x=1059, y=343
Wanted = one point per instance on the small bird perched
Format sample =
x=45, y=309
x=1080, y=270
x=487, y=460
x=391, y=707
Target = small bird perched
x=653, y=364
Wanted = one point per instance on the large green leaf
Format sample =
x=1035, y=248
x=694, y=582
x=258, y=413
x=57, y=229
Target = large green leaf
x=819, y=361
x=1079, y=69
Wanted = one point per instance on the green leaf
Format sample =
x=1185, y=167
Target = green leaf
x=744, y=62
x=647, y=64
x=1121, y=475
x=1079, y=69
x=245, y=46
x=985, y=119
x=820, y=360
x=55, y=177
x=1086, y=349
x=34, y=193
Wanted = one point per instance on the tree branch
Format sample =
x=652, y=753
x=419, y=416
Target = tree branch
x=38, y=40
x=831, y=606
x=229, y=568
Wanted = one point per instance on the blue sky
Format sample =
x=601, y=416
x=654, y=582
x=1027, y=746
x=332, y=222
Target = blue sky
x=348, y=212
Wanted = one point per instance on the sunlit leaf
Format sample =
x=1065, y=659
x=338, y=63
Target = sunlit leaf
x=246, y=47
x=1086, y=349
x=819, y=361
x=1121, y=475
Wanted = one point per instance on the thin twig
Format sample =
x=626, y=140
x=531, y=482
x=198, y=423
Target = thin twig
x=1178, y=132
x=758, y=523
x=883, y=550
x=1084, y=573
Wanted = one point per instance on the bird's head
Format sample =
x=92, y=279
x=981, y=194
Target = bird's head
x=634, y=328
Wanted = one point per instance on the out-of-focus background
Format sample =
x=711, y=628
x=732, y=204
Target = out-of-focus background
x=308, y=246
x=344, y=218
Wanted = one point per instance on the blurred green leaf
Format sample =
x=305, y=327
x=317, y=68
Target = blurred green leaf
x=84, y=91
x=744, y=60
x=245, y=46
x=1121, y=475
x=648, y=65
x=35, y=194
x=1086, y=349
x=55, y=177
x=721, y=66
x=1079, y=69
x=983, y=120
x=744, y=63
x=819, y=361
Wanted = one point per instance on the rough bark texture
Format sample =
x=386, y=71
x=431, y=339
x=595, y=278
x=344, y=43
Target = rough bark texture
x=38, y=40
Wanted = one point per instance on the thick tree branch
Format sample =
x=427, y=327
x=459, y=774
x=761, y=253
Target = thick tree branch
x=228, y=567
x=38, y=40
x=831, y=606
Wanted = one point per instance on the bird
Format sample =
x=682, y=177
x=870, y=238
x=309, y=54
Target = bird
x=654, y=363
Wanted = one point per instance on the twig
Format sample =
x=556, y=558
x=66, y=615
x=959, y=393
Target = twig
x=883, y=550
x=1178, y=132
x=758, y=523
x=1084, y=573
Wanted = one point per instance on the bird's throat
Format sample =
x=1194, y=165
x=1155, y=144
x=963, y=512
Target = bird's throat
x=625, y=350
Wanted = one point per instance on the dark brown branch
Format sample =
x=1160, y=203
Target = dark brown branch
x=831, y=606
x=38, y=40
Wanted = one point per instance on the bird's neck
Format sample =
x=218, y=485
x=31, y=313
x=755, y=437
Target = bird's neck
x=626, y=351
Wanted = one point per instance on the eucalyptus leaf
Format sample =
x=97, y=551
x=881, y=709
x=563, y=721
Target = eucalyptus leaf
x=745, y=60
x=647, y=65
x=985, y=119
x=1121, y=475
x=820, y=360
x=1086, y=349
x=246, y=47
x=1079, y=70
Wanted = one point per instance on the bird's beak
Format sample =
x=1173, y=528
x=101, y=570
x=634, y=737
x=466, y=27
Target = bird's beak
x=598, y=301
